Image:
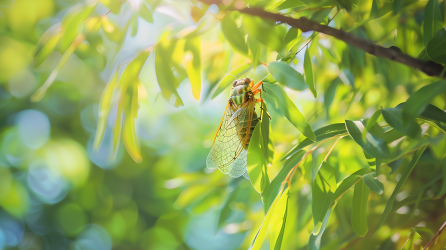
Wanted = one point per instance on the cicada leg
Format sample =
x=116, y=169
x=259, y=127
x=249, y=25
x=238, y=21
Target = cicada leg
x=256, y=86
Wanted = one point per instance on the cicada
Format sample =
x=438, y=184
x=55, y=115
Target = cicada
x=230, y=147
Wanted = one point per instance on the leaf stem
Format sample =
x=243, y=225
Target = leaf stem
x=435, y=236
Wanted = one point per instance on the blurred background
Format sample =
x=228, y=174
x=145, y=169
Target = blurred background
x=56, y=192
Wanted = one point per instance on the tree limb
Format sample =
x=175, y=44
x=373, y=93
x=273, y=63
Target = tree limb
x=429, y=68
x=435, y=236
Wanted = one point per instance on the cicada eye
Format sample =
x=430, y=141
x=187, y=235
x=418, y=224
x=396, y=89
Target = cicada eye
x=247, y=80
x=234, y=83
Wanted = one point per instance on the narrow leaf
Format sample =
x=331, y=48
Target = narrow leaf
x=145, y=13
x=373, y=183
x=324, y=187
x=314, y=242
x=234, y=35
x=321, y=134
x=435, y=47
x=394, y=118
x=278, y=221
x=359, y=209
x=308, y=68
x=432, y=20
x=256, y=160
x=418, y=101
x=349, y=182
x=373, y=145
x=276, y=94
x=400, y=183
x=443, y=186
x=192, y=63
x=286, y=75
x=267, y=136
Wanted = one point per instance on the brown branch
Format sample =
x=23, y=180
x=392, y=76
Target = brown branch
x=429, y=68
x=435, y=236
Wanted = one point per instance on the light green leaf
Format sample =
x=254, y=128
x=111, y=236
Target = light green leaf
x=314, y=242
x=258, y=27
x=40, y=92
x=73, y=24
x=166, y=79
x=400, y=183
x=373, y=145
x=278, y=221
x=275, y=94
x=373, y=183
x=48, y=47
x=112, y=30
x=234, y=35
x=145, y=13
x=257, y=169
x=254, y=46
x=349, y=182
x=411, y=242
x=104, y=109
x=418, y=101
x=268, y=198
x=267, y=136
x=261, y=233
x=134, y=24
x=308, y=68
x=323, y=133
x=432, y=21
x=324, y=187
x=226, y=81
x=192, y=63
x=286, y=75
x=359, y=209
x=129, y=138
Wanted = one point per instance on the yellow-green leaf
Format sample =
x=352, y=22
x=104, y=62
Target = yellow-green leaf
x=359, y=209
x=192, y=63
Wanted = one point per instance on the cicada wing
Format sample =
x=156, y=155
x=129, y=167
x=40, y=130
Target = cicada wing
x=229, y=153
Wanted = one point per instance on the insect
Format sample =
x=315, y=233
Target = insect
x=230, y=147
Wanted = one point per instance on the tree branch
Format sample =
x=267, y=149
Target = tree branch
x=435, y=236
x=429, y=68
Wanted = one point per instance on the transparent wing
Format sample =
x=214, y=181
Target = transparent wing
x=228, y=152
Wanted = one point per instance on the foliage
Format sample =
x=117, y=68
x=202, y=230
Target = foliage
x=343, y=123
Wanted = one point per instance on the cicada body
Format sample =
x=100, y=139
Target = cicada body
x=230, y=148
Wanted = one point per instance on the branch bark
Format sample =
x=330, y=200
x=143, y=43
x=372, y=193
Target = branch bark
x=428, y=67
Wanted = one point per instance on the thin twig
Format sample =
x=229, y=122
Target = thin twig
x=320, y=8
x=435, y=236
x=403, y=155
x=317, y=33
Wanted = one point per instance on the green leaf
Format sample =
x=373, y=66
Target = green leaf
x=112, y=30
x=323, y=133
x=443, y=186
x=418, y=101
x=348, y=182
x=324, y=187
x=373, y=145
x=257, y=27
x=229, y=78
x=261, y=233
x=48, y=47
x=432, y=20
x=396, y=7
x=145, y=13
x=234, y=35
x=411, y=242
x=314, y=242
x=254, y=46
x=394, y=165
x=268, y=198
x=104, y=109
x=40, y=92
x=286, y=75
x=393, y=116
x=291, y=38
x=400, y=183
x=166, y=79
x=267, y=136
x=308, y=68
x=129, y=138
x=73, y=24
x=373, y=183
x=257, y=169
x=359, y=209
x=192, y=63
x=276, y=94
x=435, y=47
x=134, y=25
x=278, y=221
x=330, y=94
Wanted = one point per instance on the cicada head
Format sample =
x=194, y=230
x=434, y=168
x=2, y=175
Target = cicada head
x=244, y=81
